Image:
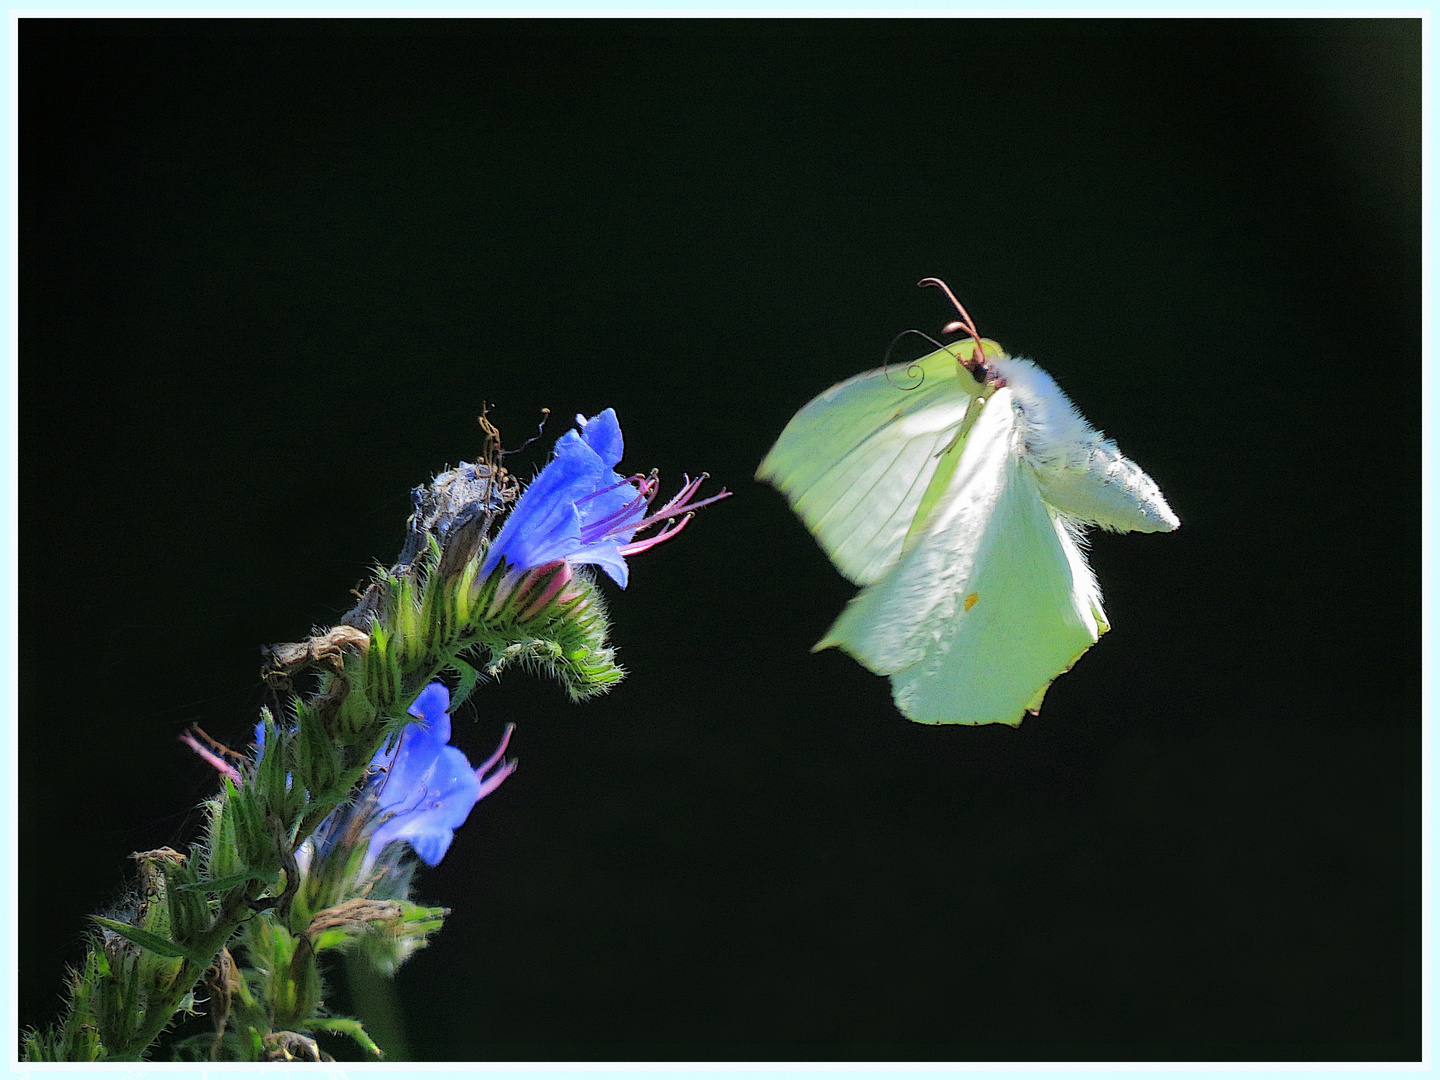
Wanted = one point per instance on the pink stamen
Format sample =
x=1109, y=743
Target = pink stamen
x=489, y=784
x=616, y=521
x=637, y=479
x=223, y=767
x=489, y=762
x=690, y=487
x=679, y=502
x=670, y=529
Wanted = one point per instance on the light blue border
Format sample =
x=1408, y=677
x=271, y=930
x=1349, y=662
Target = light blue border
x=9, y=449
x=722, y=9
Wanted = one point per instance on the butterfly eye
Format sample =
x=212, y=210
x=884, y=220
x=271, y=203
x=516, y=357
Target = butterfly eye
x=988, y=375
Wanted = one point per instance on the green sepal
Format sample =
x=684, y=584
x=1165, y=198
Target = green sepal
x=220, y=858
x=469, y=679
x=434, y=614
x=190, y=912
x=78, y=1038
x=41, y=1046
x=305, y=975
x=377, y=667
x=319, y=756
x=343, y=1025
x=331, y=939
x=461, y=592
x=356, y=713
x=218, y=885
x=253, y=845
x=402, y=614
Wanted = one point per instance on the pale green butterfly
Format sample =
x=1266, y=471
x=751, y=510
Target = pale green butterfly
x=960, y=504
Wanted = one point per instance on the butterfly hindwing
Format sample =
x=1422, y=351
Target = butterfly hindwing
x=990, y=602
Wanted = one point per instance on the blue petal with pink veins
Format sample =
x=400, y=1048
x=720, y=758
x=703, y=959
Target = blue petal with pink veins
x=576, y=509
x=428, y=787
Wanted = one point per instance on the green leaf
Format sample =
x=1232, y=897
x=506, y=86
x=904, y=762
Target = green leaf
x=146, y=940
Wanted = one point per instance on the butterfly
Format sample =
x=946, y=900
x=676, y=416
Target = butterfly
x=960, y=503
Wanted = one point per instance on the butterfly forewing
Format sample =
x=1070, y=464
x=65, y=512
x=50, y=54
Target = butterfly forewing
x=856, y=461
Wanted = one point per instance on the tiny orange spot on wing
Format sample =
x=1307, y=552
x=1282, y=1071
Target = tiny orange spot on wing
x=972, y=600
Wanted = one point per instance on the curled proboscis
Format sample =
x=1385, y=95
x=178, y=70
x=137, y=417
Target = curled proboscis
x=913, y=370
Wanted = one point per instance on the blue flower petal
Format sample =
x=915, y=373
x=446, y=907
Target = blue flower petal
x=606, y=556
x=431, y=847
x=427, y=813
x=545, y=524
x=578, y=508
x=409, y=764
x=428, y=788
x=602, y=433
x=432, y=705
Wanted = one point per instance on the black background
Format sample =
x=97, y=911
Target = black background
x=270, y=270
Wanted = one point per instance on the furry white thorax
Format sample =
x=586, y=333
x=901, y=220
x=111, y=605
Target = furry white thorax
x=1083, y=476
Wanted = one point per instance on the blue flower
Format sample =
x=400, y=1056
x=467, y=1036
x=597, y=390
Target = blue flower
x=421, y=791
x=580, y=511
x=427, y=787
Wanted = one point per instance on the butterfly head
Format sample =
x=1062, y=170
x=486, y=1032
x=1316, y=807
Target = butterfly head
x=973, y=355
x=977, y=361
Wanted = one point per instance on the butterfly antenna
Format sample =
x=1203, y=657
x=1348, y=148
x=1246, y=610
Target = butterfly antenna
x=965, y=322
